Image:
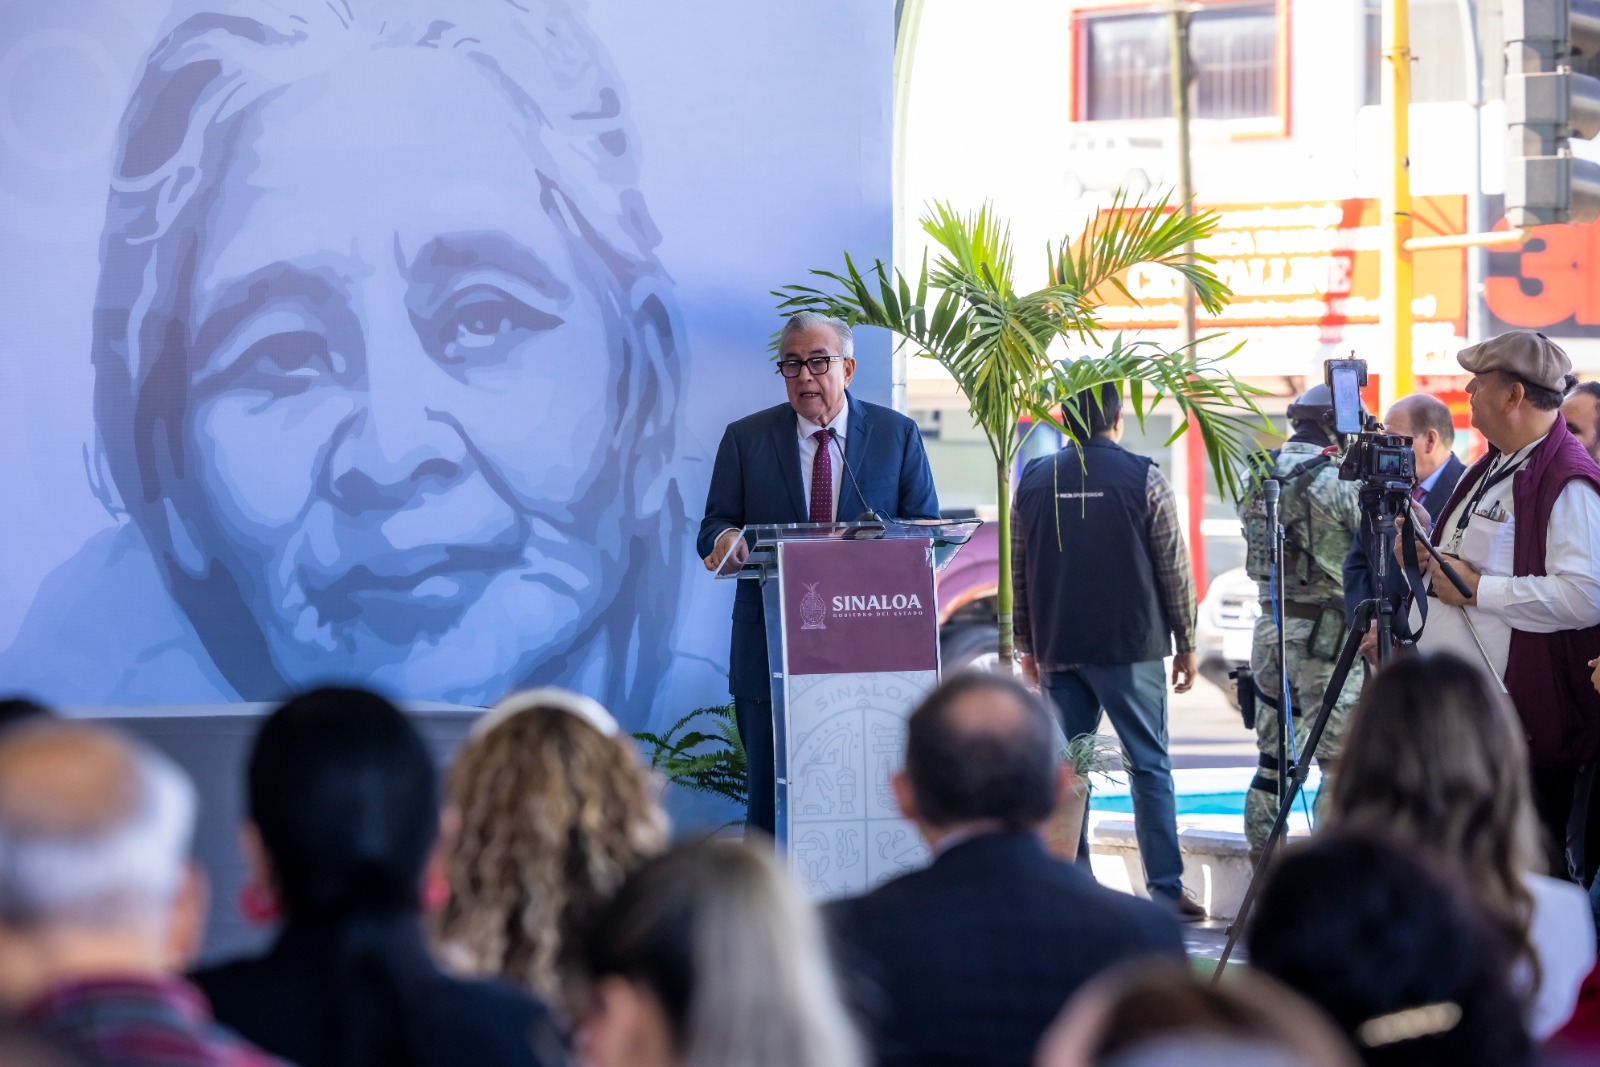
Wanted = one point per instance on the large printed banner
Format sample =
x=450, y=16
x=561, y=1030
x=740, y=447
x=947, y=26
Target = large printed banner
x=387, y=341
x=861, y=644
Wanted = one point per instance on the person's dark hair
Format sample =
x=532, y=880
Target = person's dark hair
x=1003, y=769
x=1087, y=417
x=1434, y=757
x=1545, y=399
x=723, y=940
x=1404, y=963
x=1589, y=389
x=20, y=709
x=345, y=797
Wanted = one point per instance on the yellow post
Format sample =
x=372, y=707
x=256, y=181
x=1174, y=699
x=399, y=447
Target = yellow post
x=1397, y=287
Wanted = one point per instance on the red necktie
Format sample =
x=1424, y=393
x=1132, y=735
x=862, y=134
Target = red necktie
x=822, y=479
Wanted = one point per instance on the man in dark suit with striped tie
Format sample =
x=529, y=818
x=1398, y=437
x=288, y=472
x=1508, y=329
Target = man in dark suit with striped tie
x=1425, y=420
x=823, y=456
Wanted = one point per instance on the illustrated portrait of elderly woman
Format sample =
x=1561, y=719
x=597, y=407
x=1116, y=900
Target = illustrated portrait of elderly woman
x=386, y=369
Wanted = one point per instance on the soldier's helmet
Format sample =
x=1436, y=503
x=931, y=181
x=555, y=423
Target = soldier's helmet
x=1315, y=405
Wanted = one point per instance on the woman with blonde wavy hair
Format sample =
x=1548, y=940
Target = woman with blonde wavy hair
x=551, y=810
x=710, y=956
x=1435, y=759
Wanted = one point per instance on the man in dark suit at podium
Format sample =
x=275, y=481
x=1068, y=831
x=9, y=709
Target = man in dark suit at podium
x=823, y=456
x=1425, y=420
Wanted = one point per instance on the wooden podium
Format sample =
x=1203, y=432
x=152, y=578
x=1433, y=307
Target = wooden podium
x=853, y=644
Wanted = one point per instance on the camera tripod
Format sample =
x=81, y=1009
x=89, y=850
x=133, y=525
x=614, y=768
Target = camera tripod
x=1380, y=505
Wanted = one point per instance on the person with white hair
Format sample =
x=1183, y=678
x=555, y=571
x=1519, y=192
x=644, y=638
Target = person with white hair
x=100, y=908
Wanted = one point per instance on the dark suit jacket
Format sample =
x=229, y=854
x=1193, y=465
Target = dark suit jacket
x=970, y=959
x=291, y=1001
x=757, y=479
x=1358, y=572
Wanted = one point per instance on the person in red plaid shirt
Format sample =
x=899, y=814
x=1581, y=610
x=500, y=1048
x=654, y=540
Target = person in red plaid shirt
x=100, y=909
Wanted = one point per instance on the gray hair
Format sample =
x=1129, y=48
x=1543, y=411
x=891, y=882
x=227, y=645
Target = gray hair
x=805, y=320
x=113, y=873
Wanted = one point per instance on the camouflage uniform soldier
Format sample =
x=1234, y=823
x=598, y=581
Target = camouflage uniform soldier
x=1320, y=516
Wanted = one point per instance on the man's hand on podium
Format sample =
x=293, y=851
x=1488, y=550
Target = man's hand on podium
x=741, y=551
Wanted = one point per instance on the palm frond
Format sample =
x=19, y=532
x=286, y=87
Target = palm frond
x=963, y=311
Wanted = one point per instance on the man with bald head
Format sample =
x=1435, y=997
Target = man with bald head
x=973, y=956
x=100, y=910
x=1428, y=422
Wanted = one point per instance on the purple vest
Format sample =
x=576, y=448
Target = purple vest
x=1547, y=675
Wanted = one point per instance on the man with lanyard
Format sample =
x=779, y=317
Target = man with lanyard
x=1522, y=530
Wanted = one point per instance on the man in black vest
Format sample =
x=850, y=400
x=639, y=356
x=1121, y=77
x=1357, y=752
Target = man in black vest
x=1103, y=589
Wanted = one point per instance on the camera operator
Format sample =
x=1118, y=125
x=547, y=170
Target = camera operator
x=1320, y=517
x=1426, y=420
x=1522, y=530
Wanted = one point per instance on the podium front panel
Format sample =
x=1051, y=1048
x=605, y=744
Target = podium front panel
x=860, y=635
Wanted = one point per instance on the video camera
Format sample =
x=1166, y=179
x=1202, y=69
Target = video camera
x=1382, y=462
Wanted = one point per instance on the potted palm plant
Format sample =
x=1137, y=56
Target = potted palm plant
x=1000, y=345
x=1085, y=754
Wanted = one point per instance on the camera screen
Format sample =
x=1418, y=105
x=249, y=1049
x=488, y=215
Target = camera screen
x=1390, y=462
x=1345, y=378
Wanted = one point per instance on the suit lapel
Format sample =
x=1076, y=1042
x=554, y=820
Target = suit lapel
x=855, y=450
x=1444, y=487
x=786, y=442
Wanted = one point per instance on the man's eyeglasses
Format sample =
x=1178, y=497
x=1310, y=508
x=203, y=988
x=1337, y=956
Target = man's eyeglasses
x=790, y=368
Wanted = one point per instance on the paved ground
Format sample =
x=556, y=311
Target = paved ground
x=1205, y=730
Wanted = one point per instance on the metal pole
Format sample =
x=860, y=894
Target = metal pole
x=907, y=21
x=1397, y=281
x=1194, y=446
x=1477, y=256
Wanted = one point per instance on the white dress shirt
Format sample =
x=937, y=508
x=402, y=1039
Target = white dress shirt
x=1561, y=934
x=1567, y=597
x=808, y=452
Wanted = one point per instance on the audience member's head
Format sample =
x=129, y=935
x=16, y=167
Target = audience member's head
x=552, y=811
x=343, y=800
x=20, y=709
x=95, y=831
x=981, y=753
x=708, y=956
x=1435, y=758
x=1405, y=963
x=1160, y=1014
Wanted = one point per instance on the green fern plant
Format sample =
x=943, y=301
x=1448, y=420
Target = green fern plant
x=706, y=759
x=1090, y=754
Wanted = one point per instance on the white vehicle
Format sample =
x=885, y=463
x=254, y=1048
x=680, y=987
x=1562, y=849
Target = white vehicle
x=1225, y=628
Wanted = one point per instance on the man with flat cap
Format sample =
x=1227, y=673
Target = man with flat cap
x=1522, y=529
